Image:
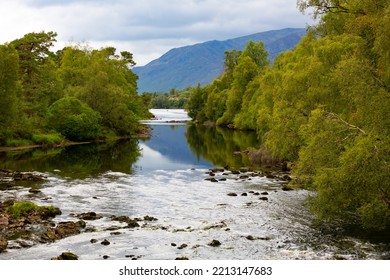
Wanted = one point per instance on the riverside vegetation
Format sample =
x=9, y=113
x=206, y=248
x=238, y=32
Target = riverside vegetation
x=325, y=106
x=76, y=94
x=48, y=99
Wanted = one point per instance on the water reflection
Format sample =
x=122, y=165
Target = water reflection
x=79, y=161
x=171, y=147
x=218, y=145
x=168, y=149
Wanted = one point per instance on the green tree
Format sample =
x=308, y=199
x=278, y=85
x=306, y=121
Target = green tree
x=104, y=81
x=345, y=149
x=251, y=62
x=222, y=100
x=8, y=89
x=216, y=102
x=257, y=53
x=231, y=61
x=36, y=71
x=195, y=105
x=74, y=119
x=324, y=105
x=244, y=73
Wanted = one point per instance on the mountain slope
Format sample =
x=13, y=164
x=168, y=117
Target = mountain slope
x=202, y=63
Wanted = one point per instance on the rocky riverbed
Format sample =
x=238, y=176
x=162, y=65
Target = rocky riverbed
x=243, y=213
x=35, y=224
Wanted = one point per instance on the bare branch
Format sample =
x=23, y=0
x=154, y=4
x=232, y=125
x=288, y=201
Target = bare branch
x=351, y=126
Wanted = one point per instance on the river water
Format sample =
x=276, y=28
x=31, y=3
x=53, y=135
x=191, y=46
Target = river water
x=164, y=177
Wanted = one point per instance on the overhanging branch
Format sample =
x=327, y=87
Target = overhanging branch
x=351, y=126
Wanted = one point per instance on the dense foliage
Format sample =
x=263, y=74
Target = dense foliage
x=77, y=122
x=324, y=105
x=77, y=92
x=175, y=99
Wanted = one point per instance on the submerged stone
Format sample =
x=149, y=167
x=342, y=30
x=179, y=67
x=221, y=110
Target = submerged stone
x=34, y=190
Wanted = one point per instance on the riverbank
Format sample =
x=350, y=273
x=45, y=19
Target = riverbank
x=24, y=224
x=143, y=134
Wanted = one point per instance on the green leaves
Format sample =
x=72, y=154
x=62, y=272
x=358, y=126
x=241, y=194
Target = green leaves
x=37, y=85
x=103, y=81
x=8, y=85
x=359, y=185
x=74, y=119
x=324, y=105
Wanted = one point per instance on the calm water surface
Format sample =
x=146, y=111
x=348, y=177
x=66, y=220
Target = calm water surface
x=164, y=177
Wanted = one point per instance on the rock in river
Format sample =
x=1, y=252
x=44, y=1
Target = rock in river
x=105, y=242
x=34, y=190
x=66, y=256
x=232, y=194
x=64, y=229
x=212, y=180
x=215, y=243
x=182, y=246
x=89, y=216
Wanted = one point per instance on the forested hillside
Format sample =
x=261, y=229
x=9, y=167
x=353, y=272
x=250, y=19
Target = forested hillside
x=324, y=105
x=76, y=93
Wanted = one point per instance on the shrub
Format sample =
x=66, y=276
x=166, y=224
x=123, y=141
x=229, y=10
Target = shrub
x=47, y=139
x=17, y=142
x=74, y=119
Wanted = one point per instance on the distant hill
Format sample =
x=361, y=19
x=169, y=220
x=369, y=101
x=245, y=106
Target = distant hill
x=202, y=63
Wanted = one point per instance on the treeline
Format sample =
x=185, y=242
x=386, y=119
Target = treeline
x=324, y=105
x=175, y=99
x=77, y=93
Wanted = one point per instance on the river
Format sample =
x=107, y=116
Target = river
x=165, y=177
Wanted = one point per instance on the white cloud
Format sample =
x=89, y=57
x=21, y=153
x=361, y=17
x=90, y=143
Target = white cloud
x=149, y=27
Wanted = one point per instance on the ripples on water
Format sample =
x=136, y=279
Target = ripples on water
x=191, y=211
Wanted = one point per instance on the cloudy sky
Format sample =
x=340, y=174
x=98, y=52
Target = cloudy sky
x=147, y=28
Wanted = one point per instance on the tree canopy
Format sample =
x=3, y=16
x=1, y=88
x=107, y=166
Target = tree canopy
x=325, y=105
x=37, y=86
